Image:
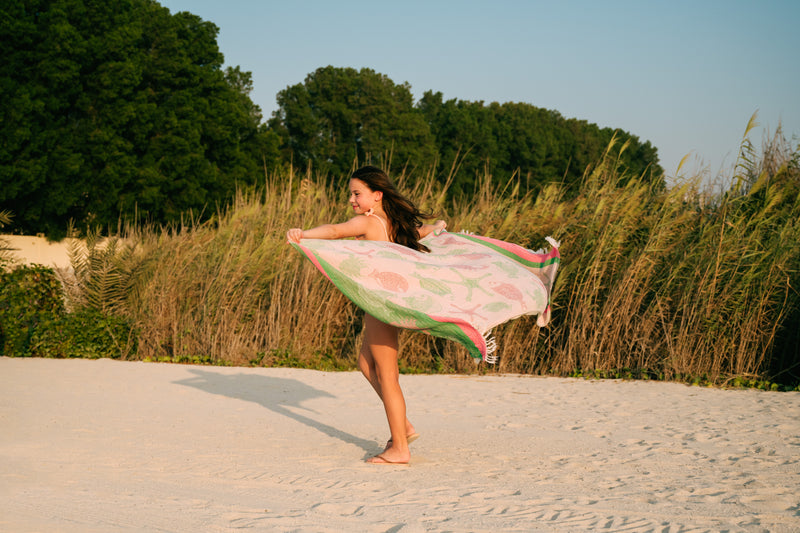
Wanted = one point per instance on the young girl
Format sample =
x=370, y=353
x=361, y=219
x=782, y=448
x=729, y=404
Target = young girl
x=382, y=214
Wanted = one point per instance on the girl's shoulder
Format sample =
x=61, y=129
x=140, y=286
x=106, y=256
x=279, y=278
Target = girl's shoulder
x=385, y=226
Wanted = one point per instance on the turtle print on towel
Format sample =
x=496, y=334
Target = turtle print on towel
x=463, y=288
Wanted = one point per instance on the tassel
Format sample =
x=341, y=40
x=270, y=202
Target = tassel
x=491, y=348
x=552, y=242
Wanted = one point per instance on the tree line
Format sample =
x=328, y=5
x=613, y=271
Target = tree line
x=123, y=110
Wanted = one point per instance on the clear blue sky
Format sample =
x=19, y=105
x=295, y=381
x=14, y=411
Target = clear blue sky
x=685, y=75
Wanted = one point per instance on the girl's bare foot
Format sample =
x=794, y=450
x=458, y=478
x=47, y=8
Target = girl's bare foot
x=391, y=456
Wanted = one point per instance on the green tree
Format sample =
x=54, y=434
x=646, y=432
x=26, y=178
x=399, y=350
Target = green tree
x=535, y=144
x=119, y=109
x=339, y=116
x=464, y=136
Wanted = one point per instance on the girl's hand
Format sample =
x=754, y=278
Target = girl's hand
x=438, y=227
x=294, y=235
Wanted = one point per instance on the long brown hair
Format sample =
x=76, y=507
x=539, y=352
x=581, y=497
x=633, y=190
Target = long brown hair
x=406, y=219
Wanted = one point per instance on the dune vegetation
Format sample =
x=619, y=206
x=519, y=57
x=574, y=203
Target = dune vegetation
x=679, y=284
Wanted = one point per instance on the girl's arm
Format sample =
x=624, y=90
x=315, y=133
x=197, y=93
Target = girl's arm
x=436, y=228
x=354, y=227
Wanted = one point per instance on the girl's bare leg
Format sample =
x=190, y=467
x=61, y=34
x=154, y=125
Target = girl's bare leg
x=380, y=359
x=367, y=365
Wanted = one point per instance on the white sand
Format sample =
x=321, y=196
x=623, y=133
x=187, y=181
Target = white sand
x=27, y=250
x=118, y=446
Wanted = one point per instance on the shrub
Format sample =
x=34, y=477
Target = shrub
x=34, y=322
x=85, y=333
x=29, y=297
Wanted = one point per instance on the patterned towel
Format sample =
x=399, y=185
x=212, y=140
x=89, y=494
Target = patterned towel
x=463, y=288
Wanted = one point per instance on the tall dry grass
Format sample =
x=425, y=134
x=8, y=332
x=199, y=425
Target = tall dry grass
x=669, y=283
x=674, y=284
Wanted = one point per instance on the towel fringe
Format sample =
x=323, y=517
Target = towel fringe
x=491, y=348
x=552, y=242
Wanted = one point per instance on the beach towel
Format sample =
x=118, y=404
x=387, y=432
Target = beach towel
x=464, y=287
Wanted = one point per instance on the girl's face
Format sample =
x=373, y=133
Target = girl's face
x=362, y=198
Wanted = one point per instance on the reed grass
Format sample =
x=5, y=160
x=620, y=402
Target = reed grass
x=660, y=283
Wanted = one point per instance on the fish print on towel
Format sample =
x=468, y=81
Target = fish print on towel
x=464, y=287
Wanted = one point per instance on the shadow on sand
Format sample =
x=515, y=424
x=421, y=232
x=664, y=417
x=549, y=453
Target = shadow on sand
x=280, y=395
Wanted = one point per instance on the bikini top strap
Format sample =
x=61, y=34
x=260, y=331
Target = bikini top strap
x=385, y=231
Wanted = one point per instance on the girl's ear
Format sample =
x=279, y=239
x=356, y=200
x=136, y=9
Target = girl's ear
x=378, y=196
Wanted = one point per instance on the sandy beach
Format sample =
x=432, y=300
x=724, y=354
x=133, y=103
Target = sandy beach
x=28, y=250
x=104, y=446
